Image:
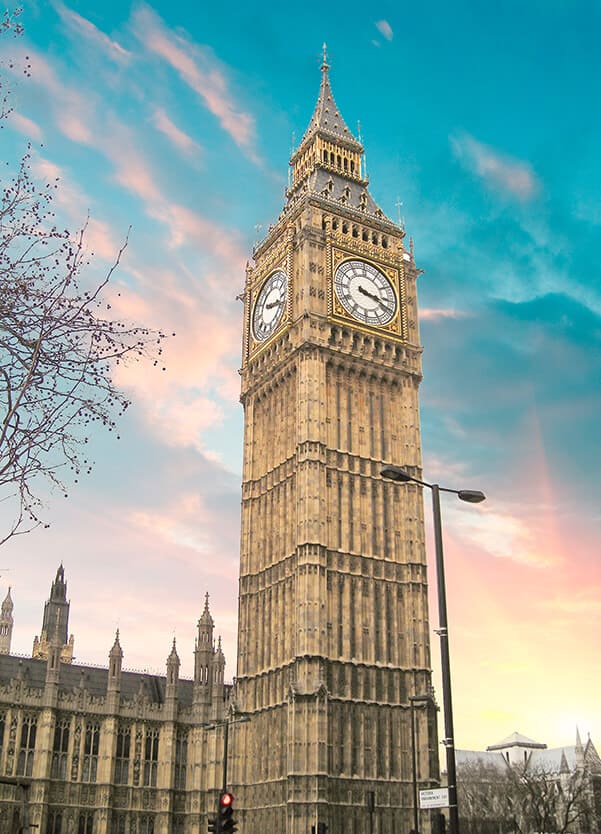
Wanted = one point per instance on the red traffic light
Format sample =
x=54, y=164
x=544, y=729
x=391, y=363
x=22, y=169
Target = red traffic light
x=225, y=800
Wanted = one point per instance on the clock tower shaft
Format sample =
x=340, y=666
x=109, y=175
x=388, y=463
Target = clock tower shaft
x=333, y=610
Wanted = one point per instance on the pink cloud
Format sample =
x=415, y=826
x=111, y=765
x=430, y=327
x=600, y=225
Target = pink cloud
x=181, y=140
x=75, y=205
x=119, y=144
x=81, y=26
x=25, y=126
x=200, y=71
x=497, y=169
x=432, y=313
x=177, y=548
x=177, y=406
x=385, y=29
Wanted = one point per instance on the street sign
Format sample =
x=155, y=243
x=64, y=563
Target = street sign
x=434, y=798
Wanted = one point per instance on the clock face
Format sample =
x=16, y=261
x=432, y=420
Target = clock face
x=365, y=292
x=270, y=305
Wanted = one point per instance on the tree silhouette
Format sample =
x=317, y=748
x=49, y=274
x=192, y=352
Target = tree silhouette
x=59, y=343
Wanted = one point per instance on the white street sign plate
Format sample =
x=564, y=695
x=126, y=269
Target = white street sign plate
x=434, y=798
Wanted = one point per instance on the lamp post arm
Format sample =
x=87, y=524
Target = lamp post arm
x=226, y=727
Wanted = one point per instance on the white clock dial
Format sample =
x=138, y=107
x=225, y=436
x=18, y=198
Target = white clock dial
x=365, y=292
x=270, y=305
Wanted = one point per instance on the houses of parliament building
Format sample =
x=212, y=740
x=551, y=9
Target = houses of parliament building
x=333, y=637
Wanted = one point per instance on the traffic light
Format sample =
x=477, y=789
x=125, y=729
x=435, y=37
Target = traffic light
x=227, y=823
x=213, y=825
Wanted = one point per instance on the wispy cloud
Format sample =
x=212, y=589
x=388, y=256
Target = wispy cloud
x=498, y=170
x=75, y=116
x=199, y=69
x=181, y=140
x=75, y=204
x=26, y=126
x=83, y=27
x=504, y=535
x=432, y=314
x=385, y=29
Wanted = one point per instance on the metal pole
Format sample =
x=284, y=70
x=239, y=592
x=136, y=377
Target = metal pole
x=414, y=764
x=226, y=726
x=443, y=632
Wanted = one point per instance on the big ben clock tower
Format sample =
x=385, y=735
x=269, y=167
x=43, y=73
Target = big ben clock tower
x=333, y=618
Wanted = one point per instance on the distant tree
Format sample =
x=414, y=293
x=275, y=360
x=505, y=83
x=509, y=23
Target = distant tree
x=58, y=342
x=554, y=803
x=482, y=791
x=517, y=800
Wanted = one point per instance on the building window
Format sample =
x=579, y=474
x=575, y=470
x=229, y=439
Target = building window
x=90, y=753
x=181, y=760
x=27, y=748
x=60, y=749
x=118, y=823
x=151, y=757
x=55, y=822
x=86, y=822
x=146, y=824
x=179, y=825
x=122, y=755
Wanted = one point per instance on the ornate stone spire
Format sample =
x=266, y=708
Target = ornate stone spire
x=55, y=621
x=173, y=655
x=205, y=618
x=116, y=650
x=6, y=624
x=115, y=663
x=326, y=118
x=328, y=165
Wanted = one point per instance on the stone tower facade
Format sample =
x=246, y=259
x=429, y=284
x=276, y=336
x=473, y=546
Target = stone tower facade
x=333, y=611
x=90, y=750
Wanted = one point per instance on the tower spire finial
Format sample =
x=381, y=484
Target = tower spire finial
x=324, y=62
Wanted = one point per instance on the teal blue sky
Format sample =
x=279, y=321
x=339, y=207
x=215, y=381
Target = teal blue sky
x=482, y=134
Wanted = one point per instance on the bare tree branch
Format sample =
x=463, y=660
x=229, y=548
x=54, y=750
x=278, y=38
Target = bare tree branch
x=59, y=343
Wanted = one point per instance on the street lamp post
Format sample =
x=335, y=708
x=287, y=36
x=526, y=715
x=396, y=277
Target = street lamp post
x=413, y=699
x=396, y=473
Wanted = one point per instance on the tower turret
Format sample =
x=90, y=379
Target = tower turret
x=6, y=624
x=115, y=664
x=173, y=665
x=56, y=621
x=203, y=651
x=217, y=685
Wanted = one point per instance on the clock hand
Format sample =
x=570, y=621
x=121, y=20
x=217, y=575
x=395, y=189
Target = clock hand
x=273, y=304
x=369, y=295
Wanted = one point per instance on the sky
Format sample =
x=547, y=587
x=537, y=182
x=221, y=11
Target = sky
x=482, y=132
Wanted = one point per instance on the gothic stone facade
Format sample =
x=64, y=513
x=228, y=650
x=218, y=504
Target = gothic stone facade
x=87, y=750
x=333, y=609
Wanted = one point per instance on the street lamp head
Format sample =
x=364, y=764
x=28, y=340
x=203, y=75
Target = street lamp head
x=395, y=473
x=472, y=496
